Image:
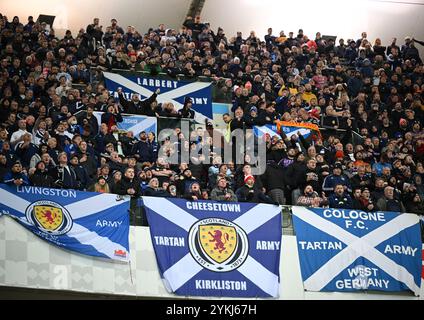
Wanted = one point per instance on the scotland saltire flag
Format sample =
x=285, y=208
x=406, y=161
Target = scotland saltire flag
x=134, y=123
x=308, y=130
x=171, y=90
x=208, y=248
x=86, y=222
x=351, y=250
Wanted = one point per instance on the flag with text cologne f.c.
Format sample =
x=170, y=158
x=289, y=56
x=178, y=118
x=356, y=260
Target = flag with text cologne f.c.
x=86, y=222
x=208, y=248
x=351, y=250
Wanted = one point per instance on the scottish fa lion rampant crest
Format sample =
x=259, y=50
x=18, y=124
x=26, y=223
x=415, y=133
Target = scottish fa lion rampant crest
x=49, y=217
x=218, y=244
x=218, y=241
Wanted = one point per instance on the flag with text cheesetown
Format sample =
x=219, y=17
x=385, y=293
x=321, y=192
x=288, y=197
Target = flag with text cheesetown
x=208, y=248
x=351, y=250
x=94, y=224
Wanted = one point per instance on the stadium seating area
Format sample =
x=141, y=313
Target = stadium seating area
x=350, y=88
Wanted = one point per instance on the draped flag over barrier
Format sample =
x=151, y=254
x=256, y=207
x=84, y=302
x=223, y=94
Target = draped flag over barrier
x=86, y=222
x=349, y=250
x=171, y=90
x=207, y=248
x=134, y=123
x=309, y=131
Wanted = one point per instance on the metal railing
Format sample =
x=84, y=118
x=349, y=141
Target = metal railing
x=138, y=216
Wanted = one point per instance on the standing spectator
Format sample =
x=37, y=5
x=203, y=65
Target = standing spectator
x=221, y=192
x=337, y=178
x=129, y=185
x=16, y=176
x=248, y=192
x=389, y=203
x=41, y=177
x=64, y=175
x=311, y=198
x=340, y=198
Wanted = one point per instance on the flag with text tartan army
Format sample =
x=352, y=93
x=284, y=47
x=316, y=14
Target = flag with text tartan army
x=208, y=248
x=171, y=90
x=90, y=223
x=351, y=250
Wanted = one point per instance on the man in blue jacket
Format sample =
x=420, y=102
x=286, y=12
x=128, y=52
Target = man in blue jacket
x=336, y=178
x=340, y=198
x=15, y=176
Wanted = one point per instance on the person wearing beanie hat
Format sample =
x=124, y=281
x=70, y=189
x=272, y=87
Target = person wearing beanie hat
x=249, y=180
x=251, y=118
x=186, y=112
x=336, y=178
x=248, y=192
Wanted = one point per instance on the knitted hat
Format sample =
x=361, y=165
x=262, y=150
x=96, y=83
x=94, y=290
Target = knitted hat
x=249, y=177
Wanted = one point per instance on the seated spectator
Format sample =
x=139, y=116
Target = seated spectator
x=340, y=198
x=311, y=198
x=221, y=192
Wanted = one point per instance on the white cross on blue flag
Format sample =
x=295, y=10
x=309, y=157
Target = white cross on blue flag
x=350, y=250
x=208, y=248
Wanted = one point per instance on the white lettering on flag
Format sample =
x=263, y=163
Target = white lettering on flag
x=357, y=247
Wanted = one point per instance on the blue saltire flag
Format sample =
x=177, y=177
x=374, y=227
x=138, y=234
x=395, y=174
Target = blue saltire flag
x=134, y=123
x=208, y=248
x=351, y=250
x=272, y=130
x=171, y=90
x=90, y=223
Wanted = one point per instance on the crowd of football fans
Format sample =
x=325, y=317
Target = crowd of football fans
x=348, y=88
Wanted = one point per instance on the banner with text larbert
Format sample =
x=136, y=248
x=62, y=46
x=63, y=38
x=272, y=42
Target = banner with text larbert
x=351, y=250
x=171, y=90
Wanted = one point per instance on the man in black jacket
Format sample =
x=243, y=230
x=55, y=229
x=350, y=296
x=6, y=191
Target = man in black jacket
x=248, y=193
x=41, y=178
x=153, y=189
x=186, y=111
x=142, y=150
x=129, y=185
x=274, y=180
x=136, y=106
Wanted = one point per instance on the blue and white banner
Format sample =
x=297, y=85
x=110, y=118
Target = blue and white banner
x=272, y=130
x=134, y=123
x=173, y=91
x=350, y=250
x=86, y=222
x=208, y=248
